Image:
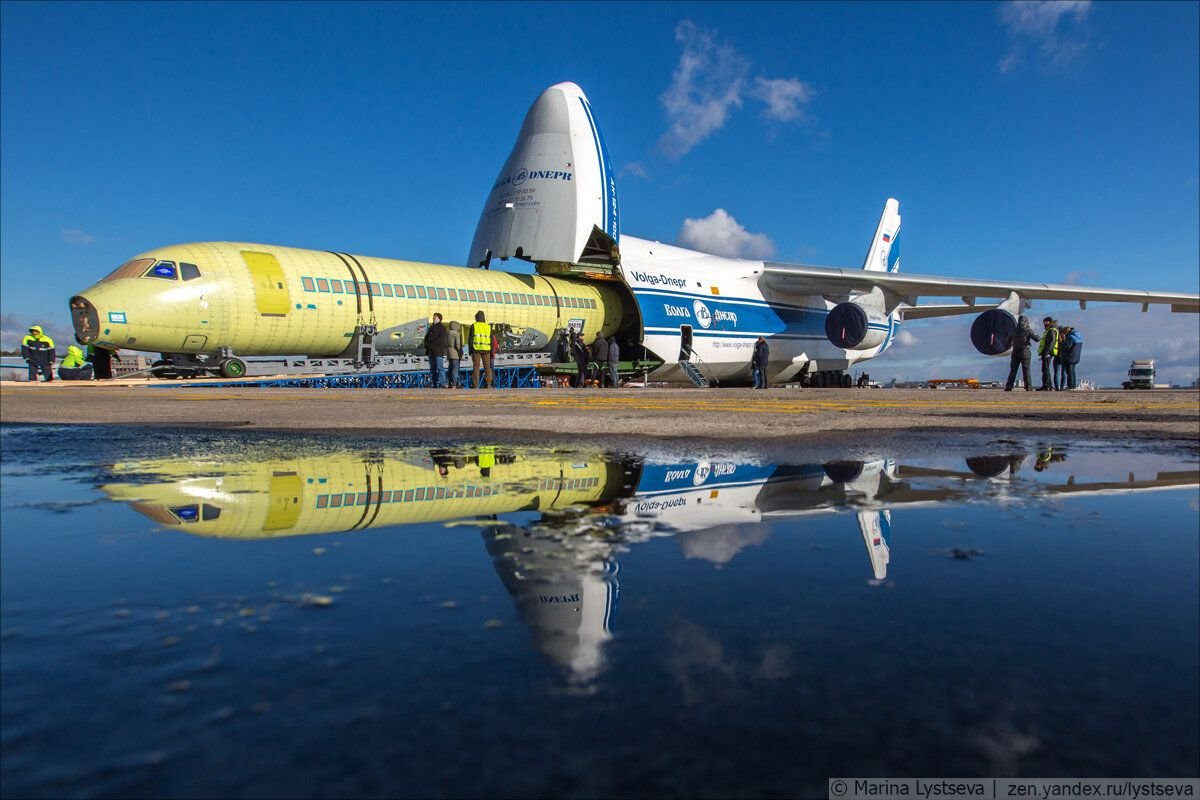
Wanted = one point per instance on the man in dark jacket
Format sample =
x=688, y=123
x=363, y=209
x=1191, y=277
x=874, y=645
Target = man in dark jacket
x=758, y=363
x=600, y=358
x=436, y=339
x=38, y=351
x=101, y=359
x=1071, y=350
x=614, y=360
x=1019, y=342
x=579, y=350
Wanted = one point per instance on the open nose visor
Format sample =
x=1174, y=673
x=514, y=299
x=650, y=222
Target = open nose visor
x=85, y=319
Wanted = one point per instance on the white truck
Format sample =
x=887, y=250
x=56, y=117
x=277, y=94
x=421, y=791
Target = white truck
x=1141, y=375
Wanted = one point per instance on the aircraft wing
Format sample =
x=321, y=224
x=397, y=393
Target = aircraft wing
x=804, y=280
x=930, y=310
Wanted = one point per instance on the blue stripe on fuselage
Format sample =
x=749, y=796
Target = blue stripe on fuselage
x=666, y=311
x=607, y=181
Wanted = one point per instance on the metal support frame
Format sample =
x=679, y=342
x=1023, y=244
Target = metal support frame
x=522, y=377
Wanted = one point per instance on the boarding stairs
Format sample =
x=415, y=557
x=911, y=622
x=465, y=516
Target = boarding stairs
x=692, y=370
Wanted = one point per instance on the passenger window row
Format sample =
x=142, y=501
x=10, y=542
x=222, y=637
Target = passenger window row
x=338, y=286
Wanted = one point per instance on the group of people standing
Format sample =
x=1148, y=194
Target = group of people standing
x=38, y=351
x=595, y=363
x=446, y=346
x=1060, y=348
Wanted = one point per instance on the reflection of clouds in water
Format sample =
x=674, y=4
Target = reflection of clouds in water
x=720, y=544
x=698, y=663
x=695, y=659
x=1004, y=746
x=776, y=664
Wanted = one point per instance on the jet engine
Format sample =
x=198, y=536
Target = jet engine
x=858, y=324
x=991, y=331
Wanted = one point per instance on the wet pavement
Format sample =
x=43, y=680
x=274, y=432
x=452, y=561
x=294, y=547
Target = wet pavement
x=624, y=416
x=199, y=613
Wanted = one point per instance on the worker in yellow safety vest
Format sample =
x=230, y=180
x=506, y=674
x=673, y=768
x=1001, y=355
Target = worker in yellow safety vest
x=486, y=459
x=1048, y=349
x=481, y=351
x=38, y=351
x=75, y=367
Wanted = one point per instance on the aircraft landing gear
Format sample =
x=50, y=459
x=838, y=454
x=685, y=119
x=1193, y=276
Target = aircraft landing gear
x=223, y=364
x=232, y=368
x=828, y=379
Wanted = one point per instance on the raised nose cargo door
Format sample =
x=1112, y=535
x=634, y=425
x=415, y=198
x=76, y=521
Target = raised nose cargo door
x=555, y=200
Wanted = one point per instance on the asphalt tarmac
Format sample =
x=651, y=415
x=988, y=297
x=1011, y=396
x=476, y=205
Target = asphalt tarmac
x=612, y=416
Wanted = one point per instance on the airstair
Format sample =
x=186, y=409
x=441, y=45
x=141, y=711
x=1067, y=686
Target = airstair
x=694, y=374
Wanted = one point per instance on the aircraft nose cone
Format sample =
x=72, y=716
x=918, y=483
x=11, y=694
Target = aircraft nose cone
x=85, y=319
x=549, y=114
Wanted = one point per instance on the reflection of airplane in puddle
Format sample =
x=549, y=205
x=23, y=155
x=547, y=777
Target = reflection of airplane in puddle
x=561, y=568
x=350, y=491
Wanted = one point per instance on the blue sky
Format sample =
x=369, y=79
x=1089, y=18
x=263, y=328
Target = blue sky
x=1026, y=141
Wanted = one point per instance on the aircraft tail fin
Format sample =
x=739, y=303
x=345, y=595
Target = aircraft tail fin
x=884, y=253
x=876, y=528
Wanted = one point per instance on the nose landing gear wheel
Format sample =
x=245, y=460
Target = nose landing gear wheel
x=232, y=368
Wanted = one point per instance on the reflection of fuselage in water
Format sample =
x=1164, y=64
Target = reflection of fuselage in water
x=708, y=505
x=346, y=492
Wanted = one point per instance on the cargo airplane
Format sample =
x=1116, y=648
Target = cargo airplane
x=554, y=204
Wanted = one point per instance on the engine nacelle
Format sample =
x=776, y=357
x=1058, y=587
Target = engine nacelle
x=992, y=330
x=856, y=326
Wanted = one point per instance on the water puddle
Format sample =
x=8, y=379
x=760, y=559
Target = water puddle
x=190, y=613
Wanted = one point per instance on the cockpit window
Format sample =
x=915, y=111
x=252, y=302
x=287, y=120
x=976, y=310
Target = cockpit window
x=130, y=269
x=186, y=513
x=189, y=272
x=163, y=269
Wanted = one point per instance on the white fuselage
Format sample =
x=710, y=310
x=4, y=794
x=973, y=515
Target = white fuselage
x=717, y=306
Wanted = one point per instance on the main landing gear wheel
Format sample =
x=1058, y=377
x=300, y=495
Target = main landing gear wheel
x=232, y=368
x=846, y=380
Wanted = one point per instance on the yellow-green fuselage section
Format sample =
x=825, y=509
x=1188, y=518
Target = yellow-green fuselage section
x=344, y=492
x=266, y=300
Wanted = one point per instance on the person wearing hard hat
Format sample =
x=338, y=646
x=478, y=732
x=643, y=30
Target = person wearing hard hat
x=38, y=351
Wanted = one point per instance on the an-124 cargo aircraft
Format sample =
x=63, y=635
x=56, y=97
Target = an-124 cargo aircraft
x=554, y=204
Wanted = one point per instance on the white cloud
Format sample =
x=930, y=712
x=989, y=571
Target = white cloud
x=1079, y=277
x=635, y=169
x=784, y=97
x=76, y=236
x=13, y=329
x=722, y=235
x=706, y=84
x=709, y=84
x=905, y=339
x=1052, y=29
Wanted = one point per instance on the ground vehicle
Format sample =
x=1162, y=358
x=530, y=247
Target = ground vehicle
x=1141, y=375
